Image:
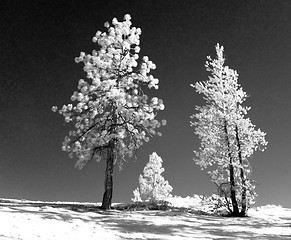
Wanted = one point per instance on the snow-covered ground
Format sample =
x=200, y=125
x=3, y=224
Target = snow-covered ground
x=30, y=220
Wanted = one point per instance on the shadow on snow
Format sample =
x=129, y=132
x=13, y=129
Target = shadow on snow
x=154, y=223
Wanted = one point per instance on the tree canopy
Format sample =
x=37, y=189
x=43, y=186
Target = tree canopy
x=228, y=138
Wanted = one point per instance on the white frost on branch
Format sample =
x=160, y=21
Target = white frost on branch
x=111, y=103
x=227, y=136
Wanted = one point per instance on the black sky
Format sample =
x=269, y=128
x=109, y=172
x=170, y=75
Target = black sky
x=40, y=39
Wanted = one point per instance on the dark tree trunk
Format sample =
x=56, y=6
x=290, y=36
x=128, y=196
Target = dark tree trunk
x=235, y=211
x=244, y=202
x=242, y=176
x=232, y=191
x=107, y=196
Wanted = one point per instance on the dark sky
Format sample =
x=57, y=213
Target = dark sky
x=39, y=41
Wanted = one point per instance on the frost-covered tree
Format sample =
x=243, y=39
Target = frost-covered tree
x=228, y=138
x=152, y=185
x=111, y=114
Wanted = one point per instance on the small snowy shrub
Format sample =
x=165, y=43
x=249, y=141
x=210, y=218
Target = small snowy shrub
x=136, y=195
x=186, y=202
x=152, y=185
x=215, y=204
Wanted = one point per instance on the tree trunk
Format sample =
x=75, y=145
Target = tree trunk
x=244, y=202
x=107, y=196
x=242, y=176
x=232, y=191
x=235, y=211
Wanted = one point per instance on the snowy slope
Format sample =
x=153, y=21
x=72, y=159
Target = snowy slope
x=30, y=220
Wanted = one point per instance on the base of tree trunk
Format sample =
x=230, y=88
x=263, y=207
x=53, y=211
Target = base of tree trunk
x=106, y=203
x=107, y=196
x=239, y=214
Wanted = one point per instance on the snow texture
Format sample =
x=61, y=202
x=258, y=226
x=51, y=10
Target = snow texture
x=30, y=220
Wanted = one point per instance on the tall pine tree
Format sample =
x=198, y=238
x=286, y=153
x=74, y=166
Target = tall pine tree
x=228, y=138
x=111, y=114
